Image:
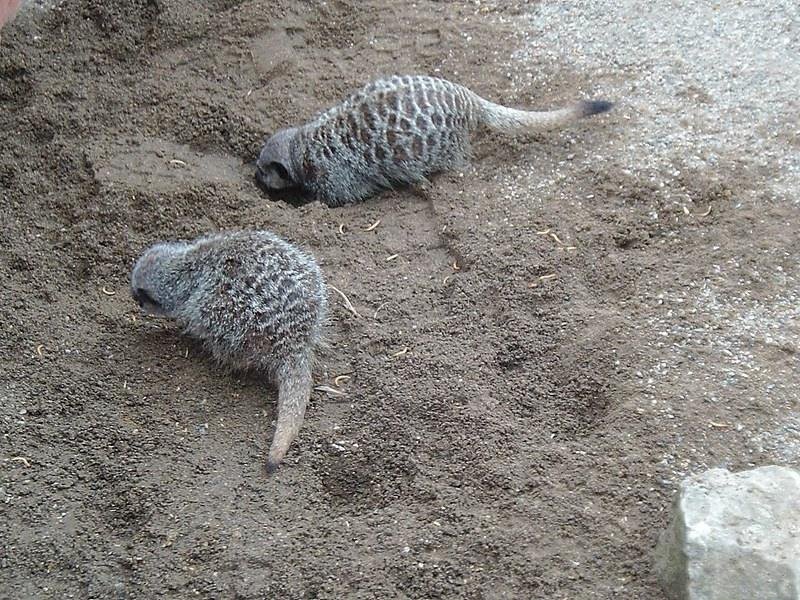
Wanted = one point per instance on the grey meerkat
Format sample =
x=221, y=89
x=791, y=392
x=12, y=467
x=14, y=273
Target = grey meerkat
x=254, y=300
x=393, y=132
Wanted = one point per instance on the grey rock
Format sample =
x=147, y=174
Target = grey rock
x=734, y=536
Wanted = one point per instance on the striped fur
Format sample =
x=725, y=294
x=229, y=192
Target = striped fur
x=393, y=132
x=254, y=300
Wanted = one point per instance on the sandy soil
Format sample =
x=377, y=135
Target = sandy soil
x=568, y=328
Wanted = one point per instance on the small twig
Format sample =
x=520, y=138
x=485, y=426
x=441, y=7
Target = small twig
x=691, y=214
x=400, y=353
x=21, y=459
x=329, y=390
x=339, y=379
x=545, y=232
x=392, y=257
x=176, y=161
x=555, y=237
x=373, y=226
x=108, y=292
x=347, y=304
x=534, y=284
x=377, y=310
x=39, y=349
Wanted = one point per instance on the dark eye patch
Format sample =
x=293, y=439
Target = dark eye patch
x=142, y=295
x=281, y=171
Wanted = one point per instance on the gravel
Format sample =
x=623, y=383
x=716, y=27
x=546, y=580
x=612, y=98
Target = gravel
x=703, y=84
x=705, y=92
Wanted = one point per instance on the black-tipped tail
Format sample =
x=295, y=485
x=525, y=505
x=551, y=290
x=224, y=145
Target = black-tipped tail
x=595, y=107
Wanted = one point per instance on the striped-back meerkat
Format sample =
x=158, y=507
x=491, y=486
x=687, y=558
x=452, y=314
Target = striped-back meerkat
x=392, y=132
x=254, y=300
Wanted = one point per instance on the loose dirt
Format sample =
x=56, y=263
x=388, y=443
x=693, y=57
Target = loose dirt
x=566, y=329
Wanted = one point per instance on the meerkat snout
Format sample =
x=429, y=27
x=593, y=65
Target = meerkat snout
x=273, y=167
x=145, y=300
x=273, y=176
x=254, y=300
x=147, y=280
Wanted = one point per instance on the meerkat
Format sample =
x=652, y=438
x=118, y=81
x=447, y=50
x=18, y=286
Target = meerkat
x=254, y=300
x=393, y=132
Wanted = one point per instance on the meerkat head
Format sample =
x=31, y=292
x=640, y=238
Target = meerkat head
x=156, y=281
x=274, y=166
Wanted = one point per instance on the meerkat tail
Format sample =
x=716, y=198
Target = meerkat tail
x=294, y=390
x=510, y=120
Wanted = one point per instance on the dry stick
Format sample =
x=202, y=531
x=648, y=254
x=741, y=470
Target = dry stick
x=377, y=310
x=329, y=390
x=347, y=304
x=551, y=234
x=373, y=226
x=337, y=381
x=691, y=214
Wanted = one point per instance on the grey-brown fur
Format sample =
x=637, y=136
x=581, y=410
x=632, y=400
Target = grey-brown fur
x=393, y=132
x=254, y=300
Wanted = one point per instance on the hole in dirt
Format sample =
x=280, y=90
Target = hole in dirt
x=629, y=238
x=367, y=481
x=223, y=5
x=512, y=356
x=294, y=197
x=565, y=391
x=569, y=409
x=16, y=89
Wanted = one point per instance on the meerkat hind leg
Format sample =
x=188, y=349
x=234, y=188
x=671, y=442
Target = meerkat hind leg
x=422, y=188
